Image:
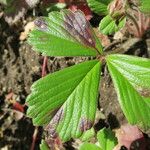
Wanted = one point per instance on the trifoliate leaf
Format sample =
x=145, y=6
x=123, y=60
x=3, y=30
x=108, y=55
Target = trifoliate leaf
x=89, y=146
x=109, y=26
x=64, y=34
x=131, y=77
x=106, y=139
x=99, y=6
x=66, y=100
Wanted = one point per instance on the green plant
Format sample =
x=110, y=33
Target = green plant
x=118, y=13
x=106, y=141
x=65, y=102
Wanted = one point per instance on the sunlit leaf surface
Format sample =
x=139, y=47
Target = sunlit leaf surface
x=64, y=34
x=131, y=77
x=99, y=6
x=66, y=100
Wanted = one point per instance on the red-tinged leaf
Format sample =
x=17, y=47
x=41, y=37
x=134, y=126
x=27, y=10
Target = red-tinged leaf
x=65, y=34
x=18, y=107
x=65, y=102
x=84, y=8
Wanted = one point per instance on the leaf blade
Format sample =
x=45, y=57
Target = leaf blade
x=107, y=139
x=89, y=146
x=44, y=146
x=109, y=26
x=64, y=34
x=135, y=107
x=48, y=103
x=99, y=6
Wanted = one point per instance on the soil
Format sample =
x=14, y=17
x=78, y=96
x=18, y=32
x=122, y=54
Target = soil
x=20, y=66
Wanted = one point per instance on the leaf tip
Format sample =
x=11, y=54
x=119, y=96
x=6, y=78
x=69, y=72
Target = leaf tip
x=85, y=124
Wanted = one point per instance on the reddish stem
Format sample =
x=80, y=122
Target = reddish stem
x=44, y=66
x=34, y=138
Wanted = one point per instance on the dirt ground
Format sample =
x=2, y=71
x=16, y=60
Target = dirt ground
x=20, y=66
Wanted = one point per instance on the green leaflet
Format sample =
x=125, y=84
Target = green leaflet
x=66, y=99
x=145, y=6
x=88, y=135
x=99, y=6
x=64, y=34
x=106, y=139
x=130, y=74
x=135, y=69
x=89, y=146
x=44, y=146
x=108, y=25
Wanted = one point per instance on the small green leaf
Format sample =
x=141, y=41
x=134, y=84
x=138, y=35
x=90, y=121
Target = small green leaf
x=145, y=6
x=109, y=26
x=99, y=6
x=107, y=139
x=121, y=23
x=130, y=76
x=89, y=146
x=64, y=34
x=44, y=146
x=87, y=135
x=66, y=99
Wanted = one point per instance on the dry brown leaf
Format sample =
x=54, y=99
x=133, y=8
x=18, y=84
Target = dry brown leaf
x=29, y=27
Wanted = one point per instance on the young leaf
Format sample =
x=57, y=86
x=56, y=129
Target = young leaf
x=64, y=34
x=145, y=6
x=89, y=146
x=44, y=146
x=109, y=26
x=66, y=100
x=88, y=135
x=107, y=139
x=131, y=75
x=99, y=6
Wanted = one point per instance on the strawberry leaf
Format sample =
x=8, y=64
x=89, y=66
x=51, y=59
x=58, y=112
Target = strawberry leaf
x=99, y=6
x=64, y=34
x=44, y=146
x=145, y=6
x=131, y=77
x=66, y=100
x=106, y=139
x=89, y=146
x=109, y=26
